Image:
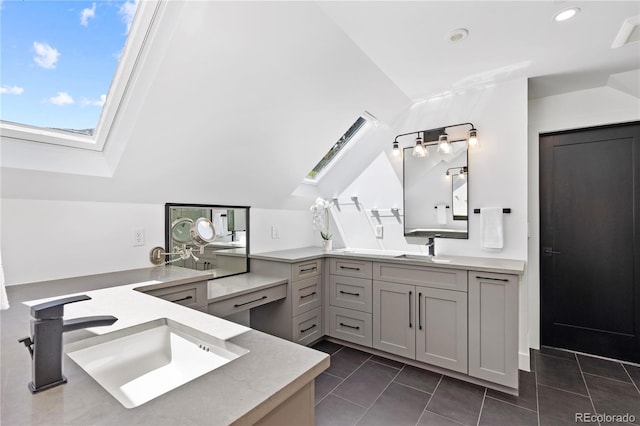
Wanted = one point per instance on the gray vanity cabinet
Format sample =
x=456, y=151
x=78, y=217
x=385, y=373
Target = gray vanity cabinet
x=299, y=316
x=394, y=318
x=422, y=323
x=493, y=327
x=441, y=332
x=421, y=313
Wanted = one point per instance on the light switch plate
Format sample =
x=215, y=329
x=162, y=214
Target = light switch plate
x=379, y=231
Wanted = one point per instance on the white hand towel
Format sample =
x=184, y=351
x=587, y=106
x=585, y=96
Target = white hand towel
x=491, y=228
x=4, y=300
x=220, y=225
x=441, y=211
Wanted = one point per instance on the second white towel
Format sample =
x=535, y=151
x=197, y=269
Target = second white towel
x=492, y=235
x=441, y=212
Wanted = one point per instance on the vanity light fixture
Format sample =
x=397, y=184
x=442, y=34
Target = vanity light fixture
x=396, y=149
x=438, y=137
x=444, y=145
x=419, y=150
x=472, y=138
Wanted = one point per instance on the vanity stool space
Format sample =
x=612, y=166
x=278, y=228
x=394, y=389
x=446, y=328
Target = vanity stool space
x=298, y=317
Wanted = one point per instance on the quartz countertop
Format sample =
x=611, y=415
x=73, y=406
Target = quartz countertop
x=237, y=285
x=486, y=264
x=241, y=391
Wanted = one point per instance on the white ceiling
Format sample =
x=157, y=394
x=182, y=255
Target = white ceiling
x=244, y=98
x=507, y=40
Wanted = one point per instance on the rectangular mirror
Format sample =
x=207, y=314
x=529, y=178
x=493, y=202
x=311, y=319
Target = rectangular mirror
x=435, y=189
x=217, y=234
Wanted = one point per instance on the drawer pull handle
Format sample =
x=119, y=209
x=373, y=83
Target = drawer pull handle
x=492, y=279
x=308, y=295
x=355, y=327
x=182, y=300
x=307, y=329
x=410, y=294
x=308, y=269
x=351, y=268
x=349, y=293
x=237, y=305
x=420, y=311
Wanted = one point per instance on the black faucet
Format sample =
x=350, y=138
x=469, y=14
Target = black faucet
x=431, y=244
x=45, y=343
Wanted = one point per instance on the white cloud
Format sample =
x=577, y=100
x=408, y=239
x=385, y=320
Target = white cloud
x=46, y=56
x=11, y=90
x=87, y=14
x=97, y=102
x=128, y=11
x=62, y=98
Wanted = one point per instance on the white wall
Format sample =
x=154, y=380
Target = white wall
x=45, y=240
x=574, y=110
x=497, y=177
x=497, y=171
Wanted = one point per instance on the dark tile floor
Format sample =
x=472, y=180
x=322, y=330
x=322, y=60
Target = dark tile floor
x=365, y=389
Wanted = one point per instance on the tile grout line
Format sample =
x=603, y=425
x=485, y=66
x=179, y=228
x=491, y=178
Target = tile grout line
x=350, y=374
x=379, y=395
x=430, y=398
x=587, y=387
x=484, y=397
x=510, y=403
x=605, y=377
x=631, y=378
x=564, y=390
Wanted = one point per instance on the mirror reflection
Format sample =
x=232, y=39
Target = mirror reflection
x=436, y=192
x=216, y=236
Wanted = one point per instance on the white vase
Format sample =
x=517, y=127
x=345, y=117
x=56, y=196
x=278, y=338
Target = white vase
x=327, y=245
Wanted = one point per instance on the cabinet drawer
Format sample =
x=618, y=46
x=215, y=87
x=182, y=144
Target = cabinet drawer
x=448, y=279
x=350, y=293
x=193, y=295
x=241, y=303
x=350, y=268
x=349, y=325
x=307, y=327
x=306, y=269
x=306, y=295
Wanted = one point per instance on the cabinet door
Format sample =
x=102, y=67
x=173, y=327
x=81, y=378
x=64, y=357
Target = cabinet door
x=441, y=335
x=493, y=327
x=394, y=318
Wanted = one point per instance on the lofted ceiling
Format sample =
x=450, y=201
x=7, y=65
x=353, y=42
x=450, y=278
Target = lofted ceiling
x=506, y=40
x=239, y=100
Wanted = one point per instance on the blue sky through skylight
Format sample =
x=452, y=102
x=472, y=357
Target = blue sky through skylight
x=58, y=59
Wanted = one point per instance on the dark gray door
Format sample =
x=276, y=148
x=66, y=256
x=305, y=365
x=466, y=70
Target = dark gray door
x=590, y=240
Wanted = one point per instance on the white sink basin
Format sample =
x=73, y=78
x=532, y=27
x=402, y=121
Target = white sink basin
x=424, y=258
x=142, y=362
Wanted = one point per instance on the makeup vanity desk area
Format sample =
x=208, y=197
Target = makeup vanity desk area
x=450, y=314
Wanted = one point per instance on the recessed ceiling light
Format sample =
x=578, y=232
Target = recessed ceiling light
x=566, y=14
x=457, y=35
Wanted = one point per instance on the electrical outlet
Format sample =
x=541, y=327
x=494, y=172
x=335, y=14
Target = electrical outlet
x=379, y=231
x=275, y=232
x=138, y=237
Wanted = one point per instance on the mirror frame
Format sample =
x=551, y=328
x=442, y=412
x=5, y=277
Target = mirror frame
x=441, y=233
x=168, y=223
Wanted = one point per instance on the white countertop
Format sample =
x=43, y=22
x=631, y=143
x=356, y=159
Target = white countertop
x=486, y=264
x=241, y=391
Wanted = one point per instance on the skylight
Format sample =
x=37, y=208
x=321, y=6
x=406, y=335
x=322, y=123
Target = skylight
x=331, y=155
x=59, y=59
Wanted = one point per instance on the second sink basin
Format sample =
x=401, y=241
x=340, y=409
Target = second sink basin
x=423, y=258
x=140, y=363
